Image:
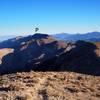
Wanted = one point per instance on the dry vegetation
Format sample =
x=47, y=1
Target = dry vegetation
x=49, y=86
x=4, y=52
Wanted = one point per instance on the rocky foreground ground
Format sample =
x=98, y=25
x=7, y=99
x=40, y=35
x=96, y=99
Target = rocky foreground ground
x=49, y=86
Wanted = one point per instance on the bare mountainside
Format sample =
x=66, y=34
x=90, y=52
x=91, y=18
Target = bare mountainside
x=40, y=67
x=42, y=52
x=30, y=50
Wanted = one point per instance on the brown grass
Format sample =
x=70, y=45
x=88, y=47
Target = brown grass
x=49, y=86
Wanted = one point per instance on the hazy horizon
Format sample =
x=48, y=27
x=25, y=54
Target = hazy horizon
x=20, y=17
x=5, y=35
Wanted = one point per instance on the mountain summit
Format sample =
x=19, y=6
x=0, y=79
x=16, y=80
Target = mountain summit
x=40, y=36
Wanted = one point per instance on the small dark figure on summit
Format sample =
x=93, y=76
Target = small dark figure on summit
x=36, y=29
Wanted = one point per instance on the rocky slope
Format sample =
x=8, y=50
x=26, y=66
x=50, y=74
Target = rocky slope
x=32, y=49
x=42, y=52
x=83, y=58
x=49, y=86
x=4, y=52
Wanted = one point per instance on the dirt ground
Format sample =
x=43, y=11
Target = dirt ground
x=49, y=86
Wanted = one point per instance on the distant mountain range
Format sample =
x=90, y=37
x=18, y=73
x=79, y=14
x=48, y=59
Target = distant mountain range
x=92, y=36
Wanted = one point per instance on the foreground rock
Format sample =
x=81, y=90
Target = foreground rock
x=49, y=86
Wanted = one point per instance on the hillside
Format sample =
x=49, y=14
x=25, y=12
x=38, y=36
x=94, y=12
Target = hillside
x=39, y=67
x=35, y=49
x=41, y=52
x=4, y=52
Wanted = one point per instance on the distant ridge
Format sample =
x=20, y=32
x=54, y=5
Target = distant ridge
x=91, y=36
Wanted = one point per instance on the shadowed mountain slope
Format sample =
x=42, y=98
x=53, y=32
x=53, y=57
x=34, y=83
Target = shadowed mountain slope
x=36, y=48
x=42, y=52
x=84, y=58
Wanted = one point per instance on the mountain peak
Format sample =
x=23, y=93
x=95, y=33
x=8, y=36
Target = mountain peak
x=40, y=36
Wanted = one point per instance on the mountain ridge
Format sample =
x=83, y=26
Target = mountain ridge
x=90, y=36
x=42, y=52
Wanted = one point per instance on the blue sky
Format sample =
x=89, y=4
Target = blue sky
x=19, y=17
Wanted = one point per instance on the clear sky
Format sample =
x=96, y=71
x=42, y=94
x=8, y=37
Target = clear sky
x=51, y=16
